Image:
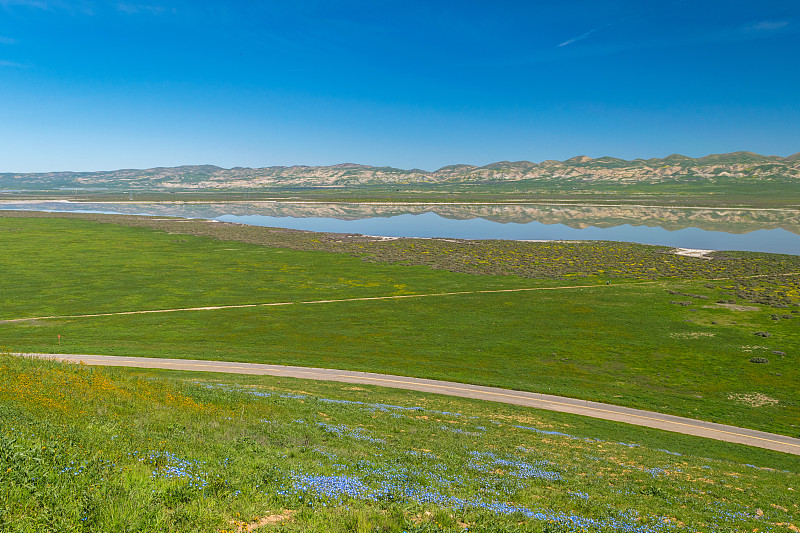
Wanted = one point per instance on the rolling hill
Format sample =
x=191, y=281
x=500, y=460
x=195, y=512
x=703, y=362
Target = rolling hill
x=579, y=171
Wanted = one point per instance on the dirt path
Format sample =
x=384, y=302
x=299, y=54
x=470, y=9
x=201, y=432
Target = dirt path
x=366, y=298
x=638, y=417
x=362, y=299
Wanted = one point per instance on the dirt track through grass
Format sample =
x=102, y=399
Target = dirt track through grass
x=394, y=297
x=653, y=345
x=216, y=307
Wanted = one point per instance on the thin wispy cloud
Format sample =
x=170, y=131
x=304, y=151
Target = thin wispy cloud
x=730, y=34
x=616, y=22
x=588, y=33
x=73, y=7
x=769, y=25
x=88, y=7
x=38, y=4
x=764, y=29
x=7, y=40
x=10, y=64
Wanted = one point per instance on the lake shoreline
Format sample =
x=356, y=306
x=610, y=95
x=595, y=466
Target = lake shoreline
x=759, y=230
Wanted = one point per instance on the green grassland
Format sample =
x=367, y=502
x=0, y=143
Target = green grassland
x=138, y=450
x=774, y=194
x=722, y=193
x=669, y=333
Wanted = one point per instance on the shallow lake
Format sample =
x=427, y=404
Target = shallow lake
x=765, y=230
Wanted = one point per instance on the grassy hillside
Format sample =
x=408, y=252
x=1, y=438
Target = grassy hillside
x=625, y=324
x=740, y=178
x=91, y=449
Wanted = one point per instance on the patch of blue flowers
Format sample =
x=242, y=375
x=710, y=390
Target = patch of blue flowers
x=370, y=406
x=379, y=407
x=344, y=431
x=460, y=431
x=74, y=468
x=342, y=486
x=422, y=477
x=544, y=432
x=169, y=466
x=417, y=453
x=656, y=471
x=517, y=468
x=669, y=452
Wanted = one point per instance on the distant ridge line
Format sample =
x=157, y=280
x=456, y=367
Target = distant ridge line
x=578, y=159
x=576, y=172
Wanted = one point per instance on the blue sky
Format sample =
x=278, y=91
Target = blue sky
x=94, y=85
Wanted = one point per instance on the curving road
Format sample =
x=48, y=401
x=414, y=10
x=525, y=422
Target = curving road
x=637, y=417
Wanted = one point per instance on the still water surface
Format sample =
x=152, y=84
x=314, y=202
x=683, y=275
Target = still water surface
x=432, y=225
x=775, y=231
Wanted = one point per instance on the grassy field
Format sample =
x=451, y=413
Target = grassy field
x=731, y=193
x=669, y=333
x=166, y=451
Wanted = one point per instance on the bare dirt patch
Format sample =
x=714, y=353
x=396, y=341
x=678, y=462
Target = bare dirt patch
x=754, y=399
x=692, y=335
x=733, y=307
x=31, y=322
x=693, y=252
x=263, y=521
x=749, y=348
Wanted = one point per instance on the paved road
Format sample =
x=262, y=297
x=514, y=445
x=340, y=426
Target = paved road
x=529, y=399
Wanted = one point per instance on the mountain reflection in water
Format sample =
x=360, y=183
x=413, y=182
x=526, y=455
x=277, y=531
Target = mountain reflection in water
x=770, y=230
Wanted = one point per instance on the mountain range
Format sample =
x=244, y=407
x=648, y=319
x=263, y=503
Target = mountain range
x=577, y=171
